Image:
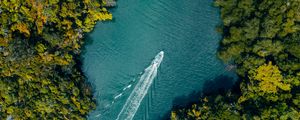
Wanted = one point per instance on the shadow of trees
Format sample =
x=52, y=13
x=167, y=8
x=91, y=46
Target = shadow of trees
x=218, y=85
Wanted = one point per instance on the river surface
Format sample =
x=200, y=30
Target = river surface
x=117, y=53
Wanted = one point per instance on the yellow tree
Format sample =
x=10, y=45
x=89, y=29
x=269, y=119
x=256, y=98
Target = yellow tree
x=265, y=81
x=270, y=79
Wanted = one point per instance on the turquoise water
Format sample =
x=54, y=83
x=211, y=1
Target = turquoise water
x=117, y=53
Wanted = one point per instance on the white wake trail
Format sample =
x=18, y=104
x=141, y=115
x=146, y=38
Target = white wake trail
x=141, y=89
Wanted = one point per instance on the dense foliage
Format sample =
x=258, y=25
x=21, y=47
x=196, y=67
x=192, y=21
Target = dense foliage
x=262, y=38
x=40, y=42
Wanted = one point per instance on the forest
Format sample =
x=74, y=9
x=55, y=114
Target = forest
x=262, y=39
x=40, y=68
x=40, y=41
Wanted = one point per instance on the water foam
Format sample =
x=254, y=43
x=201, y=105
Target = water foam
x=141, y=89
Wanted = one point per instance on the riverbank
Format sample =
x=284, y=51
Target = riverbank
x=39, y=77
x=110, y=3
x=267, y=60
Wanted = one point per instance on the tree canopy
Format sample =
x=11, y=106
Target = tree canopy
x=40, y=41
x=262, y=38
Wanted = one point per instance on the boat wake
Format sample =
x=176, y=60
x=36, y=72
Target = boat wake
x=115, y=98
x=140, y=90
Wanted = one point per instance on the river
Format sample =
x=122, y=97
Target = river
x=117, y=53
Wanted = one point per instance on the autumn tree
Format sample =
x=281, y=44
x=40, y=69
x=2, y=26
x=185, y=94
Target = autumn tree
x=40, y=41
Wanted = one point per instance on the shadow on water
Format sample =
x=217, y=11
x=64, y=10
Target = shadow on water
x=87, y=41
x=218, y=85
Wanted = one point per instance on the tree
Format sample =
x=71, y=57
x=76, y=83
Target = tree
x=261, y=38
x=39, y=43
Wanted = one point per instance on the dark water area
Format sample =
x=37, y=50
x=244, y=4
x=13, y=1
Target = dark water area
x=118, y=52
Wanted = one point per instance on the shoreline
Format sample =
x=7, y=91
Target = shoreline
x=110, y=3
x=40, y=62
